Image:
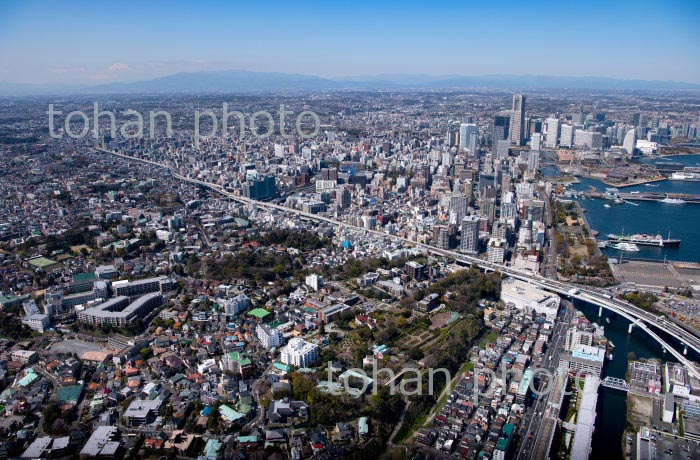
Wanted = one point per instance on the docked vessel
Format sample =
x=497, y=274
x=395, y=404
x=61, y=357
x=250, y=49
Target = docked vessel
x=689, y=174
x=673, y=200
x=631, y=247
x=644, y=239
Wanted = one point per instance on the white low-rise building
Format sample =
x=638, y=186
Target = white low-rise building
x=527, y=297
x=37, y=322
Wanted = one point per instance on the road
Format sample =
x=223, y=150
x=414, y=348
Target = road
x=596, y=296
x=533, y=421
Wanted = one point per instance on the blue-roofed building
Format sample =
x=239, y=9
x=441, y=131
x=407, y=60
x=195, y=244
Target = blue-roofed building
x=229, y=414
x=585, y=359
x=362, y=426
x=524, y=387
x=211, y=450
x=29, y=377
x=69, y=394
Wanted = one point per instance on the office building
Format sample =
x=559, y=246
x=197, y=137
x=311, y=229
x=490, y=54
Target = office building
x=566, y=138
x=533, y=160
x=502, y=148
x=517, y=120
x=501, y=125
x=535, y=142
x=343, y=197
x=442, y=236
x=451, y=137
x=465, y=132
x=473, y=143
x=552, y=132
x=299, y=353
x=592, y=140
x=260, y=189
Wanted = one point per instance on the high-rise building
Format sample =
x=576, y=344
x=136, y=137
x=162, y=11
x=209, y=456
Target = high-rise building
x=496, y=250
x=415, y=271
x=269, y=337
x=451, y=137
x=535, y=141
x=343, y=197
x=314, y=281
x=458, y=206
x=501, y=124
x=588, y=139
x=567, y=136
x=533, y=161
x=470, y=234
x=261, y=189
x=534, y=127
x=299, y=353
x=552, y=132
x=517, y=131
x=442, y=236
x=465, y=132
x=473, y=144
x=502, y=148
x=630, y=141
x=576, y=337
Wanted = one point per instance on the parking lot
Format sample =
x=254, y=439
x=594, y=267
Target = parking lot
x=75, y=346
x=668, y=448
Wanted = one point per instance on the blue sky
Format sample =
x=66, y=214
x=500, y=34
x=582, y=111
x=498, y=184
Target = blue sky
x=94, y=42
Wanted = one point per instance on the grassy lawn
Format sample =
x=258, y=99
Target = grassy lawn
x=490, y=337
x=406, y=432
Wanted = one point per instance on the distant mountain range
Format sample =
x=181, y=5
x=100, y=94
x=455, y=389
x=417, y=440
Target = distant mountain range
x=244, y=81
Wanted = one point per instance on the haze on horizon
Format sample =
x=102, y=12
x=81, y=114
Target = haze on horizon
x=44, y=42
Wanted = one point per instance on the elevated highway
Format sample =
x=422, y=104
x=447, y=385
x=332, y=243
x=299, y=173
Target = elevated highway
x=600, y=297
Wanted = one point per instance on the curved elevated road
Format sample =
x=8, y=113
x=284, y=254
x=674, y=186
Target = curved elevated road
x=601, y=297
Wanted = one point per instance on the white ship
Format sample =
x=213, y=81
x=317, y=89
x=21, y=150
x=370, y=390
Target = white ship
x=673, y=200
x=685, y=176
x=630, y=247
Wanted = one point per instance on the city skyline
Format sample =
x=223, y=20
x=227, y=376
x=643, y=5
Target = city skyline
x=368, y=230
x=91, y=44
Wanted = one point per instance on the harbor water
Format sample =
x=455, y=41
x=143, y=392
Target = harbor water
x=680, y=221
x=612, y=404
